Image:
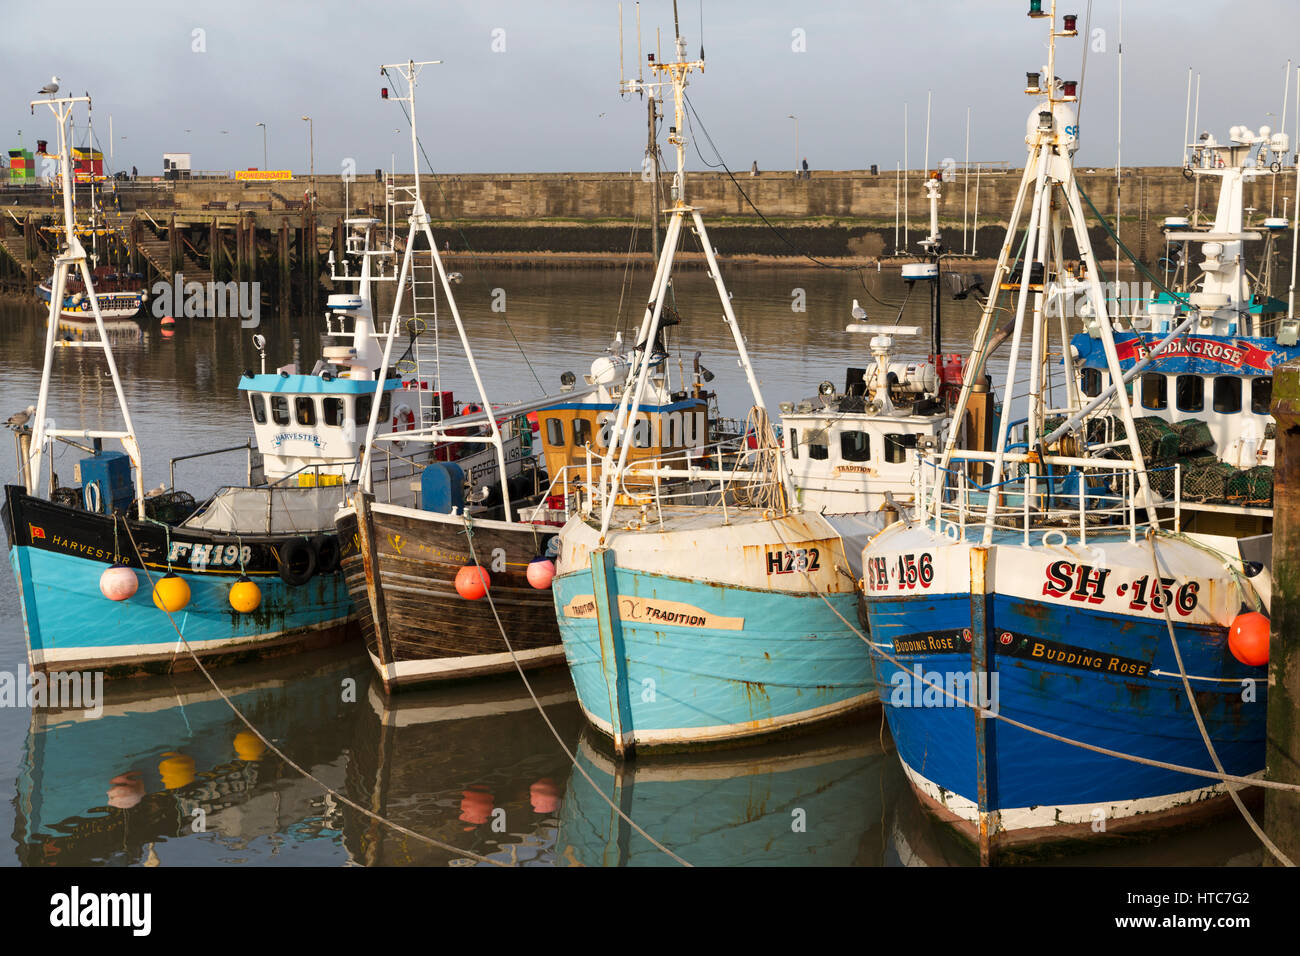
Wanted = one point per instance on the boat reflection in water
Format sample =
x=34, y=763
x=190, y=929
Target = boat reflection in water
x=168, y=762
x=817, y=800
x=470, y=764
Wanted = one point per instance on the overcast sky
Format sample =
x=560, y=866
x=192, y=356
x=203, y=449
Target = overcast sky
x=198, y=76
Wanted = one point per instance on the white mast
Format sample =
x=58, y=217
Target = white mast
x=73, y=255
x=642, y=360
x=419, y=225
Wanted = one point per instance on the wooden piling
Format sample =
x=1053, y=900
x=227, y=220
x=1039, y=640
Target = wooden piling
x=286, y=271
x=1282, y=752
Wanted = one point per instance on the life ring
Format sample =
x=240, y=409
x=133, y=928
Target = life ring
x=1276, y=167
x=328, y=553
x=297, y=562
x=1188, y=174
x=404, y=414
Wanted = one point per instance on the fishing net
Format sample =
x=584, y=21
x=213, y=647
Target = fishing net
x=1157, y=440
x=1253, y=486
x=1204, y=479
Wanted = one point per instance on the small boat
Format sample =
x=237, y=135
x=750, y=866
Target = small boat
x=698, y=604
x=1049, y=581
x=251, y=571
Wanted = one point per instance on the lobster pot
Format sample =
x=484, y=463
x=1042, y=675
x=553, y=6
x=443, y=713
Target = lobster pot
x=1158, y=441
x=1193, y=436
x=1205, y=479
x=1253, y=486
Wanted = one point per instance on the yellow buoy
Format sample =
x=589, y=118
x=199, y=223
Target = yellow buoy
x=245, y=596
x=171, y=593
x=177, y=770
x=248, y=746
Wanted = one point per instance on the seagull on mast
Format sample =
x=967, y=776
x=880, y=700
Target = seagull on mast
x=19, y=419
x=51, y=87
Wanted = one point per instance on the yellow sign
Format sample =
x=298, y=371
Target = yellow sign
x=263, y=175
x=646, y=611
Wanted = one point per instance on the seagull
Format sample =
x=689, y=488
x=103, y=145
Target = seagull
x=19, y=419
x=51, y=87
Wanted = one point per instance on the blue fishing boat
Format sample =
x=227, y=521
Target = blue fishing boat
x=1049, y=594
x=252, y=570
x=697, y=602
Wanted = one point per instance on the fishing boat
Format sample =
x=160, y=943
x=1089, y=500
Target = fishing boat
x=714, y=610
x=1049, y=583
x=251, y=571
x=1204, y=397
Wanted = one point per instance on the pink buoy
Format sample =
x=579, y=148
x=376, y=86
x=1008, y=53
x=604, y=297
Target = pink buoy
x=541, y=572
x=118, y=583
x=544, y=795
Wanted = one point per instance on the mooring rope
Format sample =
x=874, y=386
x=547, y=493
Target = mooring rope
x=1200, y=722
x=285, y=757
x=469, y=537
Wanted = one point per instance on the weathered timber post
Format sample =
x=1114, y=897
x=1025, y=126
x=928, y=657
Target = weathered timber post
x=29, y=235
x=175, y=261
x=241, y=251
x=312, y=263
x=214, y=247
x=1282, y=751
x=286, y=271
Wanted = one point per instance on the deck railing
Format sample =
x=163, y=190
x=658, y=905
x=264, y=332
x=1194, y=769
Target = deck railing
x=1065, y=499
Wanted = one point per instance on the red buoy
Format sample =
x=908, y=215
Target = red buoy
x=1248, y=638
x=472, y=582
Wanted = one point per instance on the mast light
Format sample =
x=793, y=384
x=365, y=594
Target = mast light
x=1072, y=24
x=1070, y=88
x=1031, y=83
x=1036, y=8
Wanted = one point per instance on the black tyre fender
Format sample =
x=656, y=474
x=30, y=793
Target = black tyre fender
x=297, y=562
x=328, y=553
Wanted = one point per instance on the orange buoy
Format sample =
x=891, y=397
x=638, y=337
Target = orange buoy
x=476, y=806
x=472, y=582
x=245, y=595
x=126, y=791
x=541, y=572
x=1248, y=638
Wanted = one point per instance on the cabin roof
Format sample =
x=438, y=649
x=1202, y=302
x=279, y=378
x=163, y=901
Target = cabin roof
x=312, y=385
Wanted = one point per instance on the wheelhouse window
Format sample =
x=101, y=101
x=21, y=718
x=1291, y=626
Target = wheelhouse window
x=279, y=409
x=581, y=432
x=555, y=433
x=818, y=451
x=306, y=410
x=1090, y=382
x=1227, y=394
x=1155, y=391
x=1190, y=393
x=364, y=403
x=855, y=446
x=1261, y=394
x=258, y=404
x=385, y=406
x=896, y=447
x=333, y=412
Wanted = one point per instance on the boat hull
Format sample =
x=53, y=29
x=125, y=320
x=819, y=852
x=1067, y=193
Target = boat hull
x=1076, y=661
x=700, y=661
x=112, y=305
x=59, y=553
x=417, y=628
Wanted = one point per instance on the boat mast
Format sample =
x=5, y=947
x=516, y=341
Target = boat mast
x=614, y=463
x=73, y=254
x=419, y=225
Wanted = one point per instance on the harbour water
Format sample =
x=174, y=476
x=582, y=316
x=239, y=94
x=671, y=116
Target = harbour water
x=168, y=775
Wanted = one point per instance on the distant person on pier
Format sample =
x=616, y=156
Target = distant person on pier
x=135, y=173
x=805, y=168
x=753, y=170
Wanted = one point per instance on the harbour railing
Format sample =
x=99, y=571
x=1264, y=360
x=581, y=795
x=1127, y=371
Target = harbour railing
x=1065, y=499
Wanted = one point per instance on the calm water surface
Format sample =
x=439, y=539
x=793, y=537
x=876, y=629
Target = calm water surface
x=168, y=775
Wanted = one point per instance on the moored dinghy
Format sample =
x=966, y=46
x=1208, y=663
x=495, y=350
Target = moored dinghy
x=714, y=610
x=1053, y=587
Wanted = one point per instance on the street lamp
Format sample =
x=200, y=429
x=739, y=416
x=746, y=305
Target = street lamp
x=311, y=153
x=796, y=143
x=264, y=166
